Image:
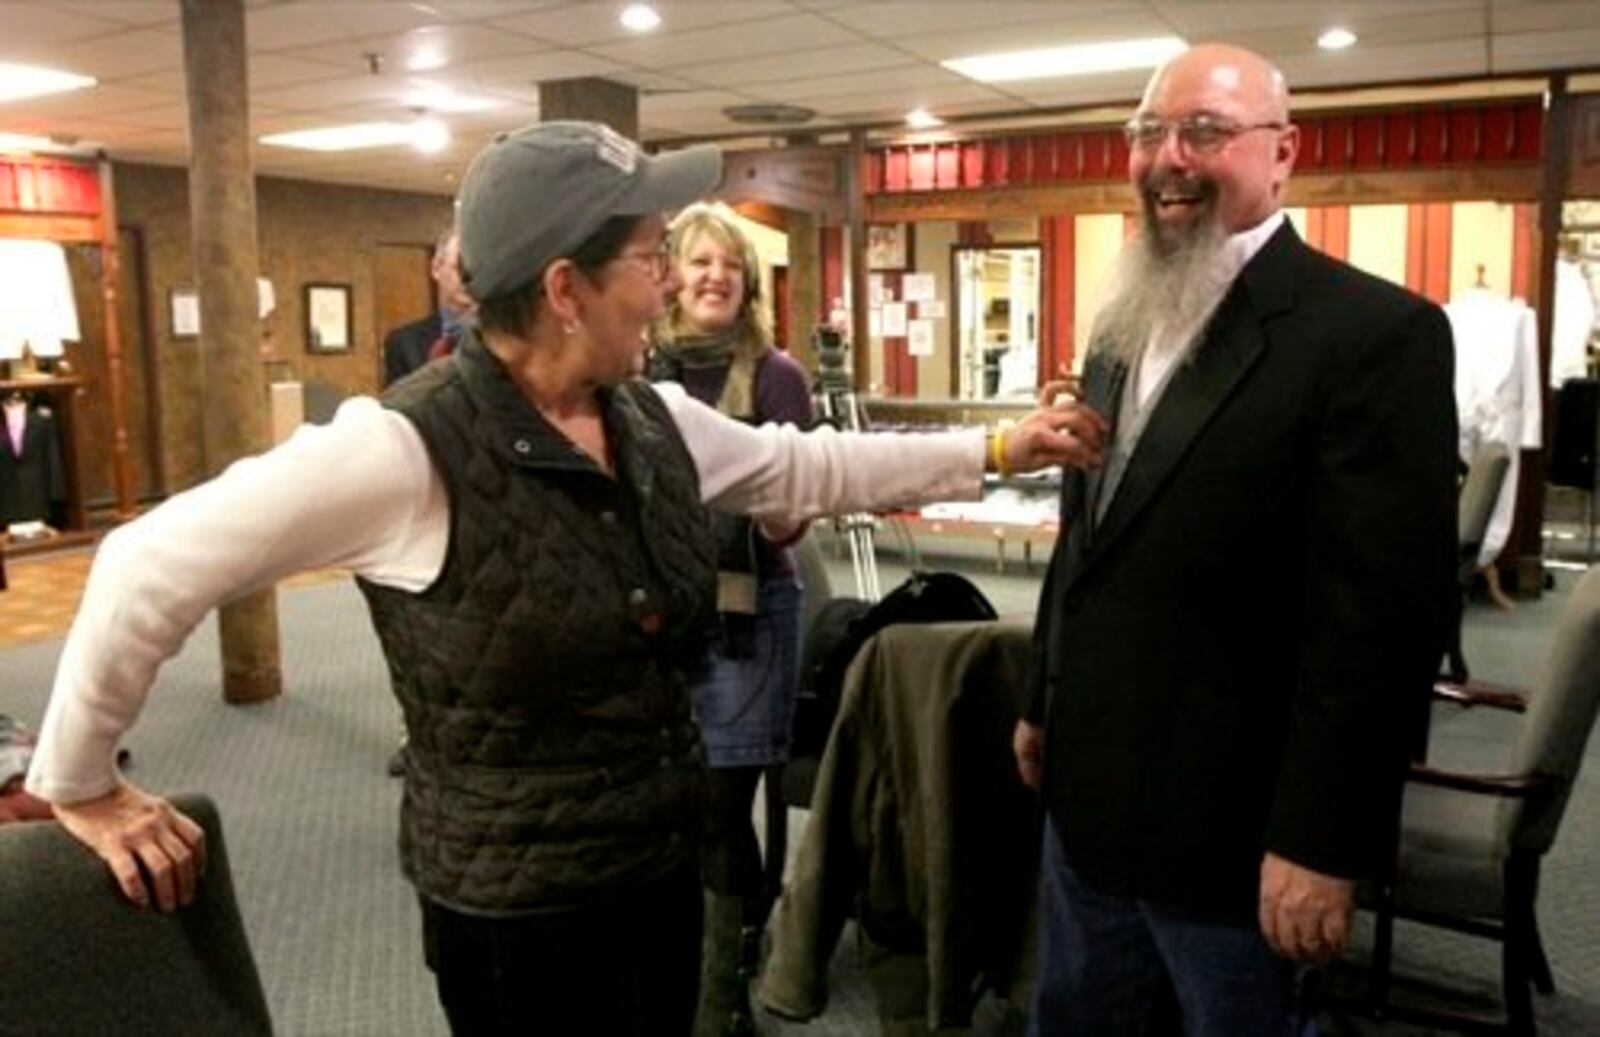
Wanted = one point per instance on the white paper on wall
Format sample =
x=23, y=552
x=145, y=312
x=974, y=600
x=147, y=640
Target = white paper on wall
x=932, y=309
x=917, y=287
x=919, y=338
x=894, y=320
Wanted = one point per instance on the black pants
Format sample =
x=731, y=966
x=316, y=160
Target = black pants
x=630, y=966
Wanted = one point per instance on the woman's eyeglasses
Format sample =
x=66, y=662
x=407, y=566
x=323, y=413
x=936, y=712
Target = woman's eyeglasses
x=656, y=262
x=1198, y=134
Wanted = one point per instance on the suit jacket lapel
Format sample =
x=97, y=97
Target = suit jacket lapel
x=1233, y=342
x=1102, y=388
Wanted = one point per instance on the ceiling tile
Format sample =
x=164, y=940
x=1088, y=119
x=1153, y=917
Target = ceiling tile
x=911, y=78
x=25, y=27
x=891, y=20
x=1075, y=90
x=658, y=105
x=1572, y=47
x=328, y=92
x=806, y=64
x=105, y=99
x=123, y=53
x=527, y=71
x=1378, y=64
x=1064, y=30
x=718, y=42
x=127, y=12
x=266, y=70
x=458, y=45
x=1216, y=19
x=580, y=25
x=878, y=104
x=1545, y=15
x=469, y=10
x=304, y=23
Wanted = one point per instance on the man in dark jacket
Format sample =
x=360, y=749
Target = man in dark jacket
x=1241, y=623
x=409, y=346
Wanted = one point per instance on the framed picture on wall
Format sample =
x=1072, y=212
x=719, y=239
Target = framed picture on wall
x=328, y=318
x=888, y=246
x=184, y=306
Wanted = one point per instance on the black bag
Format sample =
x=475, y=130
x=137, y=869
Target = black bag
x=843, y=625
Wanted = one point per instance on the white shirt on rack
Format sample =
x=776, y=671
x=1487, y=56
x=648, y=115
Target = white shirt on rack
x=1498, y=392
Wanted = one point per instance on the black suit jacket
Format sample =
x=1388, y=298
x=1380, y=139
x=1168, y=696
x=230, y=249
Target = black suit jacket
x=32, y=484
x=1237, y=657
x=406, y=348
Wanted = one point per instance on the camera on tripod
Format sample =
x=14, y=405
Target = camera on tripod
x=833, y=360
x=836, y=403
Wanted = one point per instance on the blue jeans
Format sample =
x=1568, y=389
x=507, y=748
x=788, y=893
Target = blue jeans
x=1117, y=965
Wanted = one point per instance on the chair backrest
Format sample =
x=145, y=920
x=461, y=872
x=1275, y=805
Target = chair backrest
x=1485, y=475
x=1560, y=717
x=76, y=957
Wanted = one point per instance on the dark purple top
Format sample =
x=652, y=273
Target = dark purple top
x=782, y=394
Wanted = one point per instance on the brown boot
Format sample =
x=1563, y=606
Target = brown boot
x=725, y=971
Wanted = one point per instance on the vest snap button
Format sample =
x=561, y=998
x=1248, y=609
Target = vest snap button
x=637, y=596
x=522, y=446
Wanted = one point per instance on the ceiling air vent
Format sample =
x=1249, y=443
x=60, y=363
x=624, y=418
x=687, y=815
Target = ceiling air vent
x=769, y=114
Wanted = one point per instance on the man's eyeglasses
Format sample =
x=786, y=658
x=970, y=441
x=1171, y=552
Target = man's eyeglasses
x=657, y=262
x=1198, y=134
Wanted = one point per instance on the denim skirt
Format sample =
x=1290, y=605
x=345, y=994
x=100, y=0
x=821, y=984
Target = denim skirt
x=745, y=706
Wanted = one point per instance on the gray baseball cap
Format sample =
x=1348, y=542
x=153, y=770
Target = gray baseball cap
x=535, y=194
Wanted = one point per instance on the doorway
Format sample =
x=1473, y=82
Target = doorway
x=997, y=297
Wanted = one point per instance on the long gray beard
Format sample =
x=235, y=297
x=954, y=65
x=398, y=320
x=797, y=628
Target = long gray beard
x=1157, y=285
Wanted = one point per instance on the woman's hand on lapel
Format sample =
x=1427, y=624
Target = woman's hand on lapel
x=1063, y=433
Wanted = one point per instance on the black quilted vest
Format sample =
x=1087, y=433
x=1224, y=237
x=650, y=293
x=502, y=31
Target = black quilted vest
x=553, y=759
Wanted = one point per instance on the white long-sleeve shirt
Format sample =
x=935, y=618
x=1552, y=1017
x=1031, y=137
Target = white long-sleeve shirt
x=361, y=493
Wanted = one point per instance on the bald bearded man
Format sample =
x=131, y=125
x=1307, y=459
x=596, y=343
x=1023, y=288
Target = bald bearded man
x=1239, y=630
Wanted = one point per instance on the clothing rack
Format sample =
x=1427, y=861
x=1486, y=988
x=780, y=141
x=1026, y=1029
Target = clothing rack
x=70, y=201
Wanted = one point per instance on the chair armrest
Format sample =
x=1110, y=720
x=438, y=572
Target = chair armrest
x=1481, y=693
x=1506, y=786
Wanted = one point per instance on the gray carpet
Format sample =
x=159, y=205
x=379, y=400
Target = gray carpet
x=310, y=818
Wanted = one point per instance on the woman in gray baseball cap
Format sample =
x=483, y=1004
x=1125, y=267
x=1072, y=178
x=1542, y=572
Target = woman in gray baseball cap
x=528, y=523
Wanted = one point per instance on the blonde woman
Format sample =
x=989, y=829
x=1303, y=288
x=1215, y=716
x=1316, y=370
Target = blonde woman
x=715, y=342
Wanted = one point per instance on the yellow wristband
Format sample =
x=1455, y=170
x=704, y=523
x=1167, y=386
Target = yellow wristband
x=997, y=451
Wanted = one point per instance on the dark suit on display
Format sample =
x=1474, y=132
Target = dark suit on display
x=406, y=348
x=32, y=482
x=1236, y=657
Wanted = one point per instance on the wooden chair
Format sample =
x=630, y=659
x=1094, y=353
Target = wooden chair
x=1471, y=844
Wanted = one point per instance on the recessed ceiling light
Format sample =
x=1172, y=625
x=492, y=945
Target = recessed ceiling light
x=345, y=138
x=922, y=119
x=1079, y=60
x=19, y=81
x=12, y=142
x=639, y=18
x=426, y=57
x=429, y=136
x=1337, y=38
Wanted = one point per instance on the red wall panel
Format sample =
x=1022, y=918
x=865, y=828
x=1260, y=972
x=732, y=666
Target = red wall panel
x=1369, y=141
